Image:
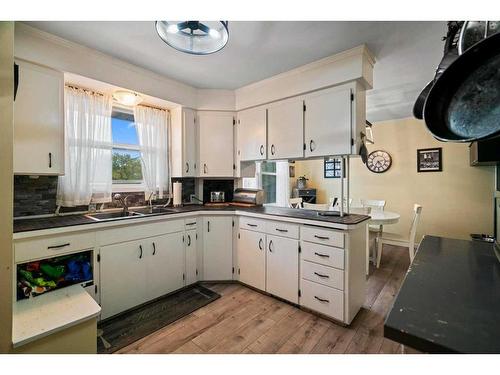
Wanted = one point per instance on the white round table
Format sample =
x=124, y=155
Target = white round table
x=384, y=217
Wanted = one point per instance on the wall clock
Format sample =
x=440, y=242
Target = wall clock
x=379, y=161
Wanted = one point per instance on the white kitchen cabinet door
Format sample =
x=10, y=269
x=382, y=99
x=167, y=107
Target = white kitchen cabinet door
x=252, y=258
x=39, y=121
x=282, y=270
x=252, y=137
x=285, y=128
x=191, y=168
x=191, y=250
x=216, y=146
x=122, y=277
x=327, y=123
x=165, y=264
x=184, y=142
x=217, y=248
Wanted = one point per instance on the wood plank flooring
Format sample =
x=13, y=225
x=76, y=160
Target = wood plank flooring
x=245, y=321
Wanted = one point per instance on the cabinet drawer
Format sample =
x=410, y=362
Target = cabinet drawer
x=191, y=223
x=136, y=231
x=328, y=276
x=47, y=247
x=278, y=228
x=322, y=236
x=252, y=224
x=323, y=299
x=322, y=254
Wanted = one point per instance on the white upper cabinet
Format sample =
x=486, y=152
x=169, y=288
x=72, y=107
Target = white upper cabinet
x=252, y=137
x=184, y=143
x=39, y=121
x=327, y=123
x=285, y=127
x=216, y=147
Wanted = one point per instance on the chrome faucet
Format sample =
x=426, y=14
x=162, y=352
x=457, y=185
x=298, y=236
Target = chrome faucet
x=123, y=201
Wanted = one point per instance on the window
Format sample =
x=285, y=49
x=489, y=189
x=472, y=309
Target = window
x=127, y=166
x=333, y=168
x=273, y=178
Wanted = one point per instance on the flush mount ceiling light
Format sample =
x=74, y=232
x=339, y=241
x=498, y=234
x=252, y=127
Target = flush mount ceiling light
x=127, y=97
x=194, y=37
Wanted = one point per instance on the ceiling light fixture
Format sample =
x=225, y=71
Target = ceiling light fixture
x=127, y=98
x=194, y=37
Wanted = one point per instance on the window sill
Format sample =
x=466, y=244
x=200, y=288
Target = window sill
x=127, y=188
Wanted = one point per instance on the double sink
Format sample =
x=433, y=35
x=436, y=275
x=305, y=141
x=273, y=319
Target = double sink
x=103, y=216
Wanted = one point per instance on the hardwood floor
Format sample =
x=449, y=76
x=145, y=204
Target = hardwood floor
x=245, y=321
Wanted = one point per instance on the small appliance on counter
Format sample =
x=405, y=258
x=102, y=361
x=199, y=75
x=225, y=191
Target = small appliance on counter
x=248, y=197
x=217, y=197
x=307, y=195
x=302, y=182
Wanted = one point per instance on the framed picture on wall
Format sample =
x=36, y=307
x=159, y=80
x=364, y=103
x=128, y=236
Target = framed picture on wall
x=429, y=160
x=332, y=168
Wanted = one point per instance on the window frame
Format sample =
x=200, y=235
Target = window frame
x=261, y=173
x=126, y=186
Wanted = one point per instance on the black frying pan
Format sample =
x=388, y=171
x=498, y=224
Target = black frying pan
x=463, y=105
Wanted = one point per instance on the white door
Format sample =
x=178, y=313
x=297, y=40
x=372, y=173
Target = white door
x=252, y=128
x=327, y=124
x=190, y=245
x=122, y=277
x=165, y=264
x=252, y=258
x=189, y=140
x=285, y=127
x=39, y=121
x=217, y=248
x=216, y=146
x=282, y=270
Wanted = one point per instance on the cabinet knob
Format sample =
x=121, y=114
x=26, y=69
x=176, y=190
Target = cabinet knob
x=189, y=240
x=140, y=248
x=272, y=149
x=187, y=167
x=50, y=159
x=270, y=245
x=312, y=145
x=260, y=244
x=262, y=149
x=154, y=248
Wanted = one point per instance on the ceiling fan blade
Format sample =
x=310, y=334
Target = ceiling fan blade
x=203, y=28
x=183, y=25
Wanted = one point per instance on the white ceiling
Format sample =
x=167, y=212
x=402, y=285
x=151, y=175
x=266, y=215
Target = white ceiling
x=406, y=52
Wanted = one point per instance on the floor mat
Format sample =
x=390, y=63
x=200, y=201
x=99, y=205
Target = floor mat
x=122, y=330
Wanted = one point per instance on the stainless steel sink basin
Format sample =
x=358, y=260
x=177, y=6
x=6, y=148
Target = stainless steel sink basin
x=154, y=210
x=101, y=216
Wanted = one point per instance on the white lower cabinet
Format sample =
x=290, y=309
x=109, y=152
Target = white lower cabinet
x=191, y=251
x=217, y=248
x=325, y=300
x=282, y=271
x=252, y=258
x=135, y=272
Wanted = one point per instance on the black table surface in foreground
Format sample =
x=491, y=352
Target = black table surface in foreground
x=450, y=299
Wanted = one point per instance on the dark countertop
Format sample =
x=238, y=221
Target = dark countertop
x=24, y=225
x=450, y=299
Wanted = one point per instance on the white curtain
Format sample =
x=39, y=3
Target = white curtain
x=153, y=130
x=88, y=148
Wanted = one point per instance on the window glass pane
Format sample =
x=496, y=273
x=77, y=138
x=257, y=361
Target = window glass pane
x=269, y=186
x=126, y=166
x=268, y=166
x=123, y=128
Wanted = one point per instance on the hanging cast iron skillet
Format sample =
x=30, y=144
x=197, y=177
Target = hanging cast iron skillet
x=463, y=105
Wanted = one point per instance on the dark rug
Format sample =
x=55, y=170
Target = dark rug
x=122, y=330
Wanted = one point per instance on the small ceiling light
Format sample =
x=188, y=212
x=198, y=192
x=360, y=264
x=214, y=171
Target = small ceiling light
x=127, y=98
x=194, y=37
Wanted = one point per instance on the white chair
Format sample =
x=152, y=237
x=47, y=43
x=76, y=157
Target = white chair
x=295, y=203
x=337, y=204
x=315, y=206
x=398, y=240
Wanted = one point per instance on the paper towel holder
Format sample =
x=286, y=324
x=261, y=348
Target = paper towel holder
x=177, y=193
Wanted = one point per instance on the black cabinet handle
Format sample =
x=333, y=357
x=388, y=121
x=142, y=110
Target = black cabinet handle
x=58, y=246
x=193, y=223
x=154, y=248
x=321, y=299
x=16, y=79
x=140, y=255
x=251, y=225
x=262, y=149
x=311, y=143
x=322, y=255
x=189, y=240
x=282, y=230
x=208, y=226
x=187, y=167
x=260, y=243
x=321, y=237
x=50, y=159
x=272, y=149
x=320, y=275
x=270, y=244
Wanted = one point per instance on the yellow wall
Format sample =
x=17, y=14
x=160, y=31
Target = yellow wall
x=456, y=202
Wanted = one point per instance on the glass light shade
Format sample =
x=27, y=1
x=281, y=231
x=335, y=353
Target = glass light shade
x=127, y=98
x=194, y=37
